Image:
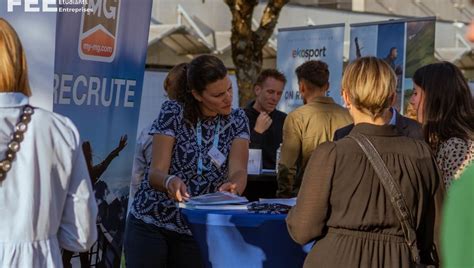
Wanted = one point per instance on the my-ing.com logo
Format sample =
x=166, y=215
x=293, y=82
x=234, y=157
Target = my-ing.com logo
x=99, y=28
x=308, y=53
x=34, y=6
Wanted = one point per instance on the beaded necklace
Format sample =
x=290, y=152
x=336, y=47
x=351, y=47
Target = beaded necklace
x=14, y=144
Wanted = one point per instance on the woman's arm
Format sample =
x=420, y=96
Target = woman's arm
x=238, y=158
x=162, y=149
x=307, y=219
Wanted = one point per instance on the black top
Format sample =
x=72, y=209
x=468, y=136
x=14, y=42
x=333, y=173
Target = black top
x=268, y=141
x=404, y=125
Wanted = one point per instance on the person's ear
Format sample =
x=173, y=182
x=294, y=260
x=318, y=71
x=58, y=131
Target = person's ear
x=302, y=86
x=346, y=98
x=326, y=87
x=257, y=90
x=394, y=99
x=196, y=95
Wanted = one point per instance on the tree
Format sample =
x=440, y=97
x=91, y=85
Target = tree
x=247, y=45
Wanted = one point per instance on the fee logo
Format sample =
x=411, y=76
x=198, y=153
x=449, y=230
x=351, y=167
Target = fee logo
x=98, y=31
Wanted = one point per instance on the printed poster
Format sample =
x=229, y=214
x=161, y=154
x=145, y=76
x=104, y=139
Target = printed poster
x=298, y=45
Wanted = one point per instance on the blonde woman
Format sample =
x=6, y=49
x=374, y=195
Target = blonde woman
x=46, y=198
x=342, y=204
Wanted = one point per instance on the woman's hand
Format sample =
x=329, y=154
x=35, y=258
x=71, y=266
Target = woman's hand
x=229, y=187
x=177, y=189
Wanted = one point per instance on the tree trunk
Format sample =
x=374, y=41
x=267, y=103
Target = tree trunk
x=247, y=72
x=247, y=45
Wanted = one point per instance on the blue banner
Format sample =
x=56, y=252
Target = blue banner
x=98, y=80
x=405, y=45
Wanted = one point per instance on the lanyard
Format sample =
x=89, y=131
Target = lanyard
x=200, y=166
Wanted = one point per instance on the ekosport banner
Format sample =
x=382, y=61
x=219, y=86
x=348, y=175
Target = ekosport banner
x=99, y=69
x=300, y=44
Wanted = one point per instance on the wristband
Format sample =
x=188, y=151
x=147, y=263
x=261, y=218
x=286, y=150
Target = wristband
x=168, y=180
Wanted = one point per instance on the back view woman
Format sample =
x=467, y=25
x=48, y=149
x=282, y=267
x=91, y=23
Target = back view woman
x=342, y=204
x=445, y=108
x=46, y=199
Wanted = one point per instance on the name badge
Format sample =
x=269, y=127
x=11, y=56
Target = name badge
x=216, y=156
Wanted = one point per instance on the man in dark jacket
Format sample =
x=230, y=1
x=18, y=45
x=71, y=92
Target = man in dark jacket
x=405, y=126
x=265, y=122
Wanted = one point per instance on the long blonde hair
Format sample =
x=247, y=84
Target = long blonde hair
x=13, y=67
x=370, y=83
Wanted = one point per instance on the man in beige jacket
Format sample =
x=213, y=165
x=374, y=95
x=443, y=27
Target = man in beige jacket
x=308, y=126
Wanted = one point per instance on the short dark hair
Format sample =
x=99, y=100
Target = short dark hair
x=200, y=72
x=314, y=72
x=448, y=105
x=273, y=73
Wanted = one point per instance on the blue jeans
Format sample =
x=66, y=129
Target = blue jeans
x=147, y=245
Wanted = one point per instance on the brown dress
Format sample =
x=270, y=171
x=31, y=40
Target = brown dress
x=343, y=206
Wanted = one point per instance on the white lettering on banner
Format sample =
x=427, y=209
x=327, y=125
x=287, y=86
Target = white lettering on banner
x=75, y=96
x=47, y=4
x=64, y=89
x=12, y=3
x=28, y=5
x=94, y=87
x=83, y=90
x=129, y=93
x=100, y=6
x=51, y=6
x=33, y=5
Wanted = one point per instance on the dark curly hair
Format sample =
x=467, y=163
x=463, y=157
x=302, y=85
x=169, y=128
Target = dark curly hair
x=315, y=72
x=200, y=72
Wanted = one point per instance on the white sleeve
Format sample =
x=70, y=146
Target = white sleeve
x=138, y=171
x=141, y=160
x=77, y=230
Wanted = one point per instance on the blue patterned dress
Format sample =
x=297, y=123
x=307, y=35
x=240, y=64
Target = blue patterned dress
x=154, y=207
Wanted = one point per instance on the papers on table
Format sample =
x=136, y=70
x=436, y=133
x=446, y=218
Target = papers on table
x=217, y=200
x=283, y=201
x=213, y=207
x=228, y=201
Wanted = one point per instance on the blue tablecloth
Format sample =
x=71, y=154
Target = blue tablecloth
x=243, y=239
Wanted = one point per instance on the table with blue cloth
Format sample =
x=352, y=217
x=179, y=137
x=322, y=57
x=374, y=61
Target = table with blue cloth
x=236, y=238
